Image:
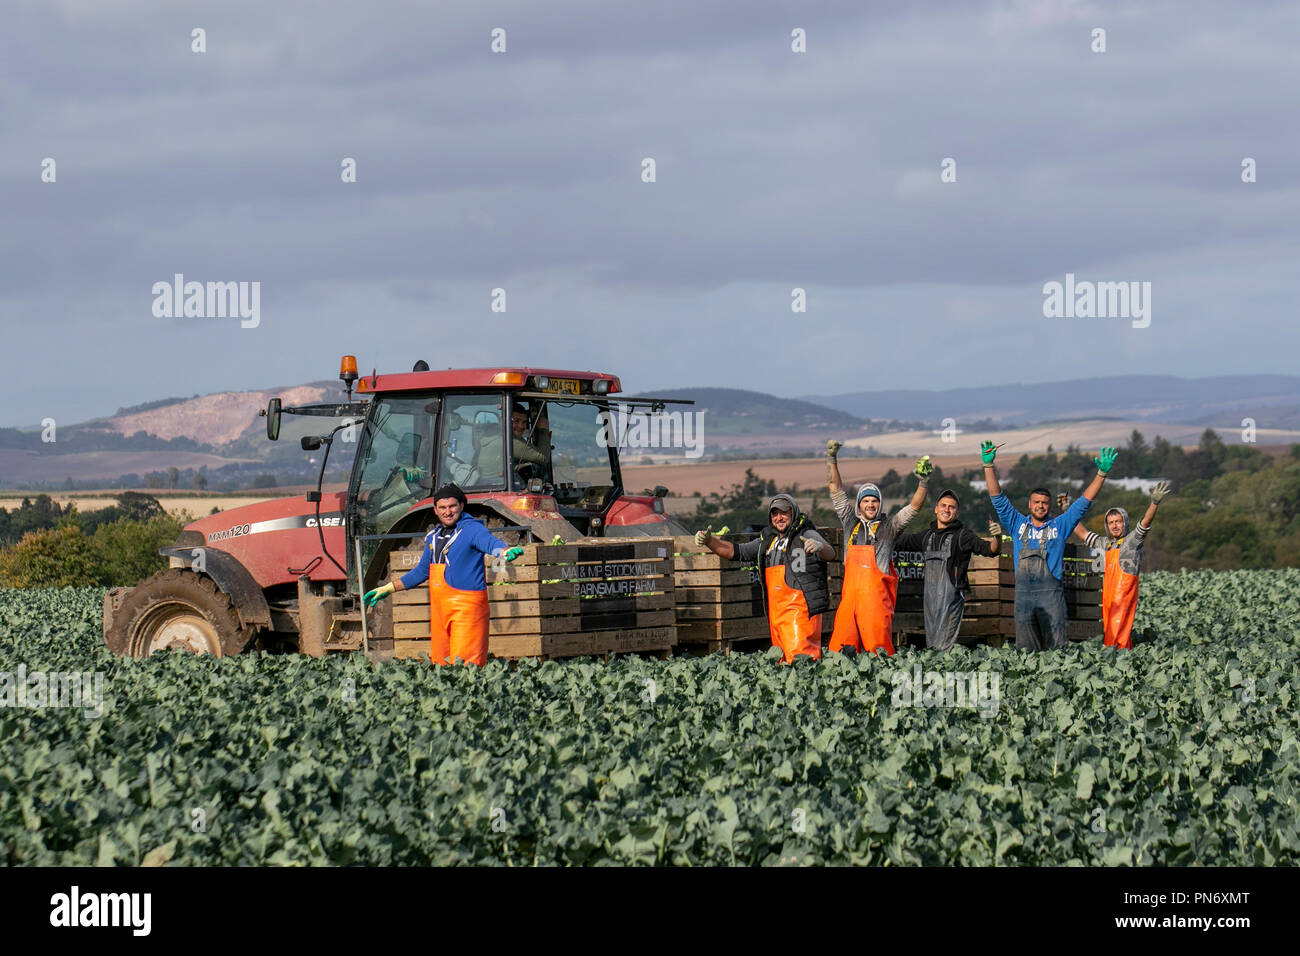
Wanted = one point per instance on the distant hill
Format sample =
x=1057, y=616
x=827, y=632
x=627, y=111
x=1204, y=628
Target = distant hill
x=1272, y=400
x=734, y=411
x=222, y=435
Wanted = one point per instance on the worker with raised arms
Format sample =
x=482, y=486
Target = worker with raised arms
x=1038, y=546
x=1123, y=551
x=452, y=563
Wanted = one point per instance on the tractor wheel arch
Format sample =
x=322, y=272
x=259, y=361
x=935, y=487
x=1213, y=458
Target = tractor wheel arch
x=230, y=576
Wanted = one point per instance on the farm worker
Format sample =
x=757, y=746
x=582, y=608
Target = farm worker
x=1038, y=546
x=1119, y=589
x=865, y=618
x=947, y=546
x=793, y=556
x=452, y=563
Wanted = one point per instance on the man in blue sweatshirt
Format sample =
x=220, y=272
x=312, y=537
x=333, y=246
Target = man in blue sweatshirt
x=452, y=563
x=1038, y=546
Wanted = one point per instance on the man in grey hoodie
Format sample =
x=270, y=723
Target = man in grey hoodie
x=792, y=557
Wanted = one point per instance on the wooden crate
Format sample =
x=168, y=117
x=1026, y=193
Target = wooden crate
x=719, y=603
x=595, y=596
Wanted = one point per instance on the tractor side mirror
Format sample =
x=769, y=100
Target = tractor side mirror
x=310, y=442
x=273, y=419
x=661, y=491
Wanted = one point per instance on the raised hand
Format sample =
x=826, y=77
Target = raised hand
x=833, y=448
x=923, y=467
x=988, y=451
x=1106, y=460
x=1160, y=492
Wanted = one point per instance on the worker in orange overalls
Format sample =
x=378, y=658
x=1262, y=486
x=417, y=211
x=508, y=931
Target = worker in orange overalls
x=865, y=618
x=1119, y=589
x=452, y=563
x=792, y=556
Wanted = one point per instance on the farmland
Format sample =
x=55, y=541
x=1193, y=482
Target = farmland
x=1181, y=751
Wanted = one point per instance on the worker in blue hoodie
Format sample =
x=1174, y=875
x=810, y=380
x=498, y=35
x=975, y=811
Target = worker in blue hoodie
x=452, y=563
x=1038, y=546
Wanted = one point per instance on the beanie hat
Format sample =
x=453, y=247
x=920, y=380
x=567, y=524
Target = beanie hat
x=450, y=490
x=869, y=491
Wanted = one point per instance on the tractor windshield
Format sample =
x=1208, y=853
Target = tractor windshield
x=471, y=449
x=563, y=443
x=394, y=461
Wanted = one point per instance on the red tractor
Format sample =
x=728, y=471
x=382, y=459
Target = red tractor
x=535, y=450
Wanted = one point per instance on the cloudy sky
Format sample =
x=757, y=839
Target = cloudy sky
x=522, y=171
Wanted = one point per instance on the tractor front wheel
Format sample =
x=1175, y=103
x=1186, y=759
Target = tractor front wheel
x=177, y=610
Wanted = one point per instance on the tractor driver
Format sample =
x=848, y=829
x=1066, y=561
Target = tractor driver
x=531, y=457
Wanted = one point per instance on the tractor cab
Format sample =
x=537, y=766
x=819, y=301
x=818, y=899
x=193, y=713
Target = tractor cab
x=530, y=448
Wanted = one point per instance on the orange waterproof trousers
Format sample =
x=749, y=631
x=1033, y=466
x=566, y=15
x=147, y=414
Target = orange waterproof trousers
x=788, y=621
x=458, y=621
x=1119, y=601
x=865, y=617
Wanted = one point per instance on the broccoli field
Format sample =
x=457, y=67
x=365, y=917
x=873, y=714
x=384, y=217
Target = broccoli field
x=1183, y=750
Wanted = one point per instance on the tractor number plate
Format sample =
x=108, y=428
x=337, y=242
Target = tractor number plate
x=570, y=386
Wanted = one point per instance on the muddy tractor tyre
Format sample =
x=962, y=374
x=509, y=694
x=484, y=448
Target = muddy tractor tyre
x=177, y=609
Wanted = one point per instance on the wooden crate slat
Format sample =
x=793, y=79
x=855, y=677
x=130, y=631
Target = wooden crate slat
x=588, y=590
x=576, y=645
x=596, y=571
x=717, y=595
x=1002, y=578
x=599, y=551
x=690, y=631
x=628, y=620
x=409, y=650
x=725, y=578
x=706, y=612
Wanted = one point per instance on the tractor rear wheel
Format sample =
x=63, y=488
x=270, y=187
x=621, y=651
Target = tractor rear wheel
x=177, y=610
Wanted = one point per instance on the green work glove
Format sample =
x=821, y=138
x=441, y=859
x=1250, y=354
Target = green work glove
x=833, y=447
x=514, y=553
x=374, y=597
x=1106, y=460
x=988, y=451
x=923, y=468
x=414, y=474
x=1160, y=492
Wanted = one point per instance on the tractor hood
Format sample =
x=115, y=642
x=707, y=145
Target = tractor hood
x=274, y=540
